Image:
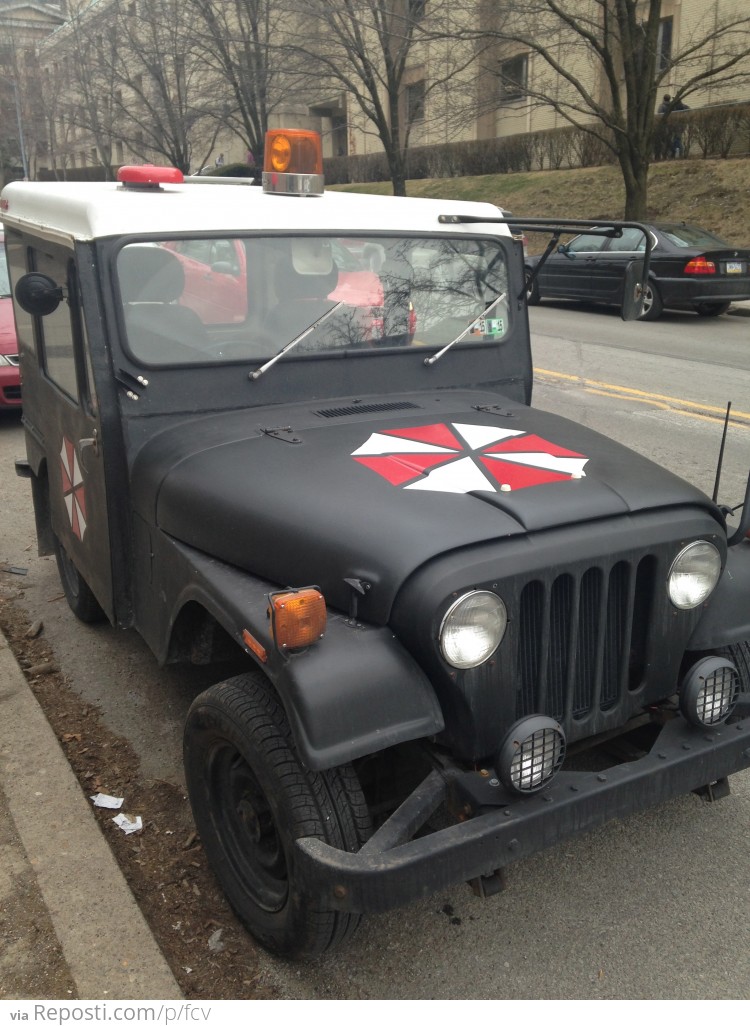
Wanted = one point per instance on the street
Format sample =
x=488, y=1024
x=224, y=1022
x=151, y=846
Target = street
x=653, y=907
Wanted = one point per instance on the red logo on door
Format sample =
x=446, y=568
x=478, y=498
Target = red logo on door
x=461, y=458
x=73, y=489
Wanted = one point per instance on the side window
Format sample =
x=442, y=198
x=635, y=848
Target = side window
x=631, y=241
x=56, y=330
x=586, y=244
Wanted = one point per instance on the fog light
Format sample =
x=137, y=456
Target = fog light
x=710, y=691
x=531, y=754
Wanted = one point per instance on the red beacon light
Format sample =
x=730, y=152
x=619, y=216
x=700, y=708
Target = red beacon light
x=148, y=176
x=293, y=162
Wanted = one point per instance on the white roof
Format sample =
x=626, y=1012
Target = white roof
x=85, y=211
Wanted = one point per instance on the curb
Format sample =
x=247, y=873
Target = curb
x=105, y=941
x=739, y=309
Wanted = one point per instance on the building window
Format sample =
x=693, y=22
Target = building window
x=416, y=9
x=664, y=44
x=512, y=77
x=415, y=102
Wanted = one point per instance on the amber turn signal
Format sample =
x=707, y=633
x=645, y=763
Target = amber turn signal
x=298, y=617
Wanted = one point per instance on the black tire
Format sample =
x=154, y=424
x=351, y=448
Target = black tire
x=532, y=294
x=251, y=798
x=79, y=596
x=652, y=303
x=711, y=309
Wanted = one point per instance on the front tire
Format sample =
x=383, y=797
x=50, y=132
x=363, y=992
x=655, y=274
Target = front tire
x=252, y=798
x=78, y=595
x=652, y=303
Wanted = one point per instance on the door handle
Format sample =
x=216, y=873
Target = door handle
x=85, y=444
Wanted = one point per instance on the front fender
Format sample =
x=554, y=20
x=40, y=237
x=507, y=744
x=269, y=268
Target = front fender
x=355, y=692
x=726, y=620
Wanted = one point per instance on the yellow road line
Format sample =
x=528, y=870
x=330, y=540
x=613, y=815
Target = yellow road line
x=659, y=400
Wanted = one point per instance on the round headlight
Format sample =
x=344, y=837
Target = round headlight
x=710, y=691
x=472, y=629
x=531, y=754
x=694, y=574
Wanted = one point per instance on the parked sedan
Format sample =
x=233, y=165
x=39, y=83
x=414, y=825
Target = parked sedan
x=10, y=375
x=690, y=269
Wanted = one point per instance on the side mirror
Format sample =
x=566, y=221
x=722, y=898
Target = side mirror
x=563, y=248
x=38, y=294
x=633, y=290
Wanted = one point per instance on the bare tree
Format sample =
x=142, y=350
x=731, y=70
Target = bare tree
x=79, y=84
x=371, y=48
x=602, y=64
x=240, y=44
x=161, y=97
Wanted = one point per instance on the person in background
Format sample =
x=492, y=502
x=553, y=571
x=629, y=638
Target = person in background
x=674, y=143
x=220, y=160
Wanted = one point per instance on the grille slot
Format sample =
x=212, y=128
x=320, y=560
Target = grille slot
x=350, y=411
x=581, y=640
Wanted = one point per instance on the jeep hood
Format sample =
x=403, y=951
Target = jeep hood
x=372, y=490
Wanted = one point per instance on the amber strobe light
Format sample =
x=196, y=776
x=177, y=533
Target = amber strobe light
x=293, y=151
x=298, y=618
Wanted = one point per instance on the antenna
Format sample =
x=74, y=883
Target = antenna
x=715, y=495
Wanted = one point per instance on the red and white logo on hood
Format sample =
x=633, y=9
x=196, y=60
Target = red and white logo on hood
x=463, y=458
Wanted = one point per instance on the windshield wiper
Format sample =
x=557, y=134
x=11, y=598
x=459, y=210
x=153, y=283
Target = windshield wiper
x=254, y=375
x=434, y=359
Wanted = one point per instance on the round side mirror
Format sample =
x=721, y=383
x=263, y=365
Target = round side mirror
x=632, y=294
x=38, y=294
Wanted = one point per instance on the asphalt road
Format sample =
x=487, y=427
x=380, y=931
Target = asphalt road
x=654, y=907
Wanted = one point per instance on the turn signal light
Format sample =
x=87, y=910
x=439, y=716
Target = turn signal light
x=298, y=618
x=699, y=265
x=293, y=151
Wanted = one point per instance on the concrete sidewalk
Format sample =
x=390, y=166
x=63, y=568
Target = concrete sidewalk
x=89, y=939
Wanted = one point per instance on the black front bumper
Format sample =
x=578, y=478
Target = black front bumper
x=394, y=867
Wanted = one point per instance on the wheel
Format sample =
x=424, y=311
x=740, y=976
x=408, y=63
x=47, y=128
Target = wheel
x=532, y=294
x=711, y=309
x=79, y=596
x=652, y=303
x=251, y=799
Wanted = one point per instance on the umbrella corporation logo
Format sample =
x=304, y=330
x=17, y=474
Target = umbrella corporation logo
x=73, y=489
x=463, y=458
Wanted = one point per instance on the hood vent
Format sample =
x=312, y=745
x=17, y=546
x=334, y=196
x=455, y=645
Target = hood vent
x=351, y=411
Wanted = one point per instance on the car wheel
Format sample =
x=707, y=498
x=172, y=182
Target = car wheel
x=252, y=798
x=711, y=309
x=532, y=294
x=652, y=303
x=77, y=593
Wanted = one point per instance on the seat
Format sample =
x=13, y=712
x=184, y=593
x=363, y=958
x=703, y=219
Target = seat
x=301, y=299
x=159, y=330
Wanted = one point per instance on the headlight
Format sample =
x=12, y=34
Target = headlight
x=531, y=754
x=693, y=575
x=710, y=691
x=472, y=629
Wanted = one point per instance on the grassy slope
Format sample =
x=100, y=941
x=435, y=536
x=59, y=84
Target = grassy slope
x=712, y=193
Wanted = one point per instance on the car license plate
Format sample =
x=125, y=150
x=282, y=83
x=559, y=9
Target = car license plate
x=734, y=267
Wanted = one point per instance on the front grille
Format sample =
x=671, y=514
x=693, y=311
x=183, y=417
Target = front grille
x=582, y=639
x=12, y=394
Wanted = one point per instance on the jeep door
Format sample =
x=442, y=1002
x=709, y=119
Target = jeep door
x=62, y=416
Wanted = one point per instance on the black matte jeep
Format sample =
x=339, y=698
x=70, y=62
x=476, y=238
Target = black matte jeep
x=292, y=429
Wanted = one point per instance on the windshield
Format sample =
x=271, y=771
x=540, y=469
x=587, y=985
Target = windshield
x=4, y=279
x=206, y=299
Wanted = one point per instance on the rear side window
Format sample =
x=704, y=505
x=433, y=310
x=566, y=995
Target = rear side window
x=685, y=235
